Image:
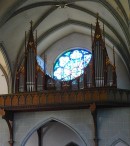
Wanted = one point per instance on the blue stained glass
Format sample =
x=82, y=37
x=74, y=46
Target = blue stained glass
x=67, y=53
x=71, y=64
x=56, y=65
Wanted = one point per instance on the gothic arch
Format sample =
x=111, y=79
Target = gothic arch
x=36, y=127
x=5, y=75
x=119, y=142
x=5, y=66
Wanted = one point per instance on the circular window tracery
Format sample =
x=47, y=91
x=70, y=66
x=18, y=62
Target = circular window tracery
x=71, y=64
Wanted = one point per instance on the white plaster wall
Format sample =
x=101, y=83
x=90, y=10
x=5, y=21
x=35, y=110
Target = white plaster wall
x=80, y=121
x=59, y=135
x=3, y=83
x=4, y=133
x=54, y=134
x=123, y=78
x=33, y=140
x=114, y=126
x=71, y=41
x=80, y=40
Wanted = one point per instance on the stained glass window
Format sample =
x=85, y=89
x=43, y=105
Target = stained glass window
x=70, y=64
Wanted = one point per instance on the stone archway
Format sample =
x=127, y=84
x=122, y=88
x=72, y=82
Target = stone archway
x=53, y=132
x=119, y=142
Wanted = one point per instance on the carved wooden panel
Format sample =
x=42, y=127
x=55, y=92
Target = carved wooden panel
x=87, y=96
x=8, y=101
x=58, y=98
x=29, y=100
x=66, y=97
x=50, y=98
x=95, y=95
x=35, y=99
x=43, y=99
x=103, y=95
x=80, y=97
x=1, y=100
x=15, y=100
x=22, y=100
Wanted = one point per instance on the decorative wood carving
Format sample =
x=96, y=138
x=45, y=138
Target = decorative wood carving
x=98, y=73
x=8, y=117
x=93, y=110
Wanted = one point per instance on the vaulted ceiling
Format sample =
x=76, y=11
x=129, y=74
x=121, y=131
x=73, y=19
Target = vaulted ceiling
x=55, y=19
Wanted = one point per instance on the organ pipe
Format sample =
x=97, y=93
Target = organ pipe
x=25, y=67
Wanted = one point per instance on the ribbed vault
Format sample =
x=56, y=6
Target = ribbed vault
x=51, y=18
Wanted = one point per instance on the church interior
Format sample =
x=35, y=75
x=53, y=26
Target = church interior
x=65, y=73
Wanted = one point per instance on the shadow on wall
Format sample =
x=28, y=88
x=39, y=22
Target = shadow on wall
x=71, y=144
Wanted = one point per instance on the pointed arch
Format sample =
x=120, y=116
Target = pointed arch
x=119, y=142
x=5, y=76
x=5, y=66
x=36, y=127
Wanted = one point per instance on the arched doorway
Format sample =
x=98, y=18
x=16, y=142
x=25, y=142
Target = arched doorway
x=54, y=133
x=119, y=142
x=3, y=80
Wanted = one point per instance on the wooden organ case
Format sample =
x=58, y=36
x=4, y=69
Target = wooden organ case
x=100, y=72
x=30, y=77
x=104, y=73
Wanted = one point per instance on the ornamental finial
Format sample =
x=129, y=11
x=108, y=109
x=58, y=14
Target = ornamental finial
x=31, y=23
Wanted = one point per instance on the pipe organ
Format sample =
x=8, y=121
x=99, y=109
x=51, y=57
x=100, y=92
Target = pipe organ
x=30, y=76
x=99, y=58
x=100, y=72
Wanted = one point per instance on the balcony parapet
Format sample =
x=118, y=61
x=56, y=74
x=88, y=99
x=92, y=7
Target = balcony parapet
x=50, y=100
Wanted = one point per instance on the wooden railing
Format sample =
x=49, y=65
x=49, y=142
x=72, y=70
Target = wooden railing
x=48, y=100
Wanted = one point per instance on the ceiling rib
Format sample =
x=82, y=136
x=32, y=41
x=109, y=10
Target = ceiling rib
x=122, y=10
x=103, y=21
x=71, y=6
x=106, y=4
x=34, y=27
x=80, y=9
x=68, y=22
x=8, y=14
x=129, y=4
x=44, y=16
x=121, y=22
x=118, y=18
x=34, y=5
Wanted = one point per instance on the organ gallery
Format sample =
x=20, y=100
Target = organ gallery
x=90, y=89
